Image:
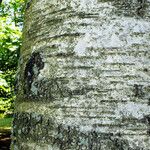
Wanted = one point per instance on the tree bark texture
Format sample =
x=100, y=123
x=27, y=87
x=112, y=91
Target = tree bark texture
x=83, y=81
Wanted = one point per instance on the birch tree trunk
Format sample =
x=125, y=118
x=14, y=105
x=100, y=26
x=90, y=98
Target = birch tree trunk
x=83, y=79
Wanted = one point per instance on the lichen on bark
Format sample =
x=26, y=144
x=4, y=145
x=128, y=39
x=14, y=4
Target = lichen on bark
x=84, y=76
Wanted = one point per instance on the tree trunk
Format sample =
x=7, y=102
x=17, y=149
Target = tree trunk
x=83, y=79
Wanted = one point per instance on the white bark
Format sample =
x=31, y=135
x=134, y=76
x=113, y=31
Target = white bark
x=83, y=81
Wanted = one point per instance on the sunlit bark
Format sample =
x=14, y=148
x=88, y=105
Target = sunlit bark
x=83, y=79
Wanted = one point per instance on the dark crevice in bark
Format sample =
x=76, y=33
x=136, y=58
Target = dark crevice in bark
x=28, y=4
x=138, y=90
x=34, y=63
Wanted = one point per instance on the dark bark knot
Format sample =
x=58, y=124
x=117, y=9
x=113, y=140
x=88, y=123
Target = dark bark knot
x=149, y=101
x=141, y=7
x=32, y=70
x=138, y=90
x=146, y=120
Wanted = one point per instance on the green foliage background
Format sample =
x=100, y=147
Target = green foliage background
x=11, y=22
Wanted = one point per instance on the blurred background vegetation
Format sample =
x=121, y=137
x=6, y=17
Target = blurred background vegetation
x=11, y=22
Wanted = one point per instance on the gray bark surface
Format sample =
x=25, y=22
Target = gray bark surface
x=83, y=81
